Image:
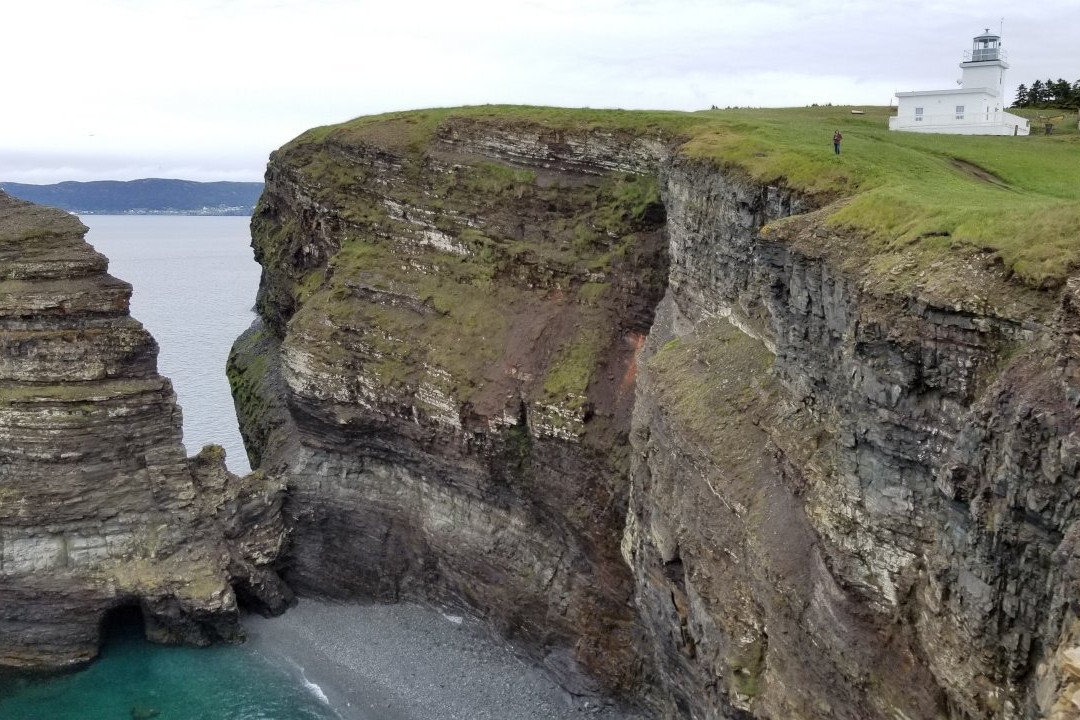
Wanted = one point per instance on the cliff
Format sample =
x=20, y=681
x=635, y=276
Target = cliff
x=698, y=416
x=99, y=508
x=454, y=339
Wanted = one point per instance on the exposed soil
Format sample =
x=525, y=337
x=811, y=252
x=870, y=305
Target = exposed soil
x=979, y=173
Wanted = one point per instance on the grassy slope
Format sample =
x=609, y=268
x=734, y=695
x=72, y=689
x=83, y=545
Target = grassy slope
x=906, y=190
x=894, y=189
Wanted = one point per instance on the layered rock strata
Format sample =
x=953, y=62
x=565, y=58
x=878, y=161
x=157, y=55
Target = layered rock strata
x=488, y=364
x=445, y=360
x=853, y=534
x=99, y=507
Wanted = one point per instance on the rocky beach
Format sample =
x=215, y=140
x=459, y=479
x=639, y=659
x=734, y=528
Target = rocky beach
x=411, y=662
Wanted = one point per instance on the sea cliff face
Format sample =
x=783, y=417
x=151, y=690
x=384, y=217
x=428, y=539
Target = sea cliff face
x=445, y=362
x=664, y=425
x=99, y=507
x=834, y=504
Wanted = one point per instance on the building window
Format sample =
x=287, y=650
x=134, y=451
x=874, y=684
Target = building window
x=918, y=114
x=959, y=112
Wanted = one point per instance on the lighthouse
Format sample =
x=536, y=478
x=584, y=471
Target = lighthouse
x=976, y=107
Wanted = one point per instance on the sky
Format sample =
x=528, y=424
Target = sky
x=206, y=89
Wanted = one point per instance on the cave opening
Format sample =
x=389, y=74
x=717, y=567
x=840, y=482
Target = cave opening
x=120, y=625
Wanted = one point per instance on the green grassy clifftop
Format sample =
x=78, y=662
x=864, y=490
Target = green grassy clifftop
x=1016, y=198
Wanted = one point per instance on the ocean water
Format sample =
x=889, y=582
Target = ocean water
x=134, y=680
x=194, y=284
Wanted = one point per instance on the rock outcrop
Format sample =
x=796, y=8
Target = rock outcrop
x=99, y=507
x=663, y=424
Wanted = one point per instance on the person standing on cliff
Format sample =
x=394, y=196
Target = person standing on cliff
x=836, y=138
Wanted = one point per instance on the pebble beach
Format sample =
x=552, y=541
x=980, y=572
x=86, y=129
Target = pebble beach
x=409, y=662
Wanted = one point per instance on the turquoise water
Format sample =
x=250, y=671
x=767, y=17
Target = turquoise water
x=134, y=679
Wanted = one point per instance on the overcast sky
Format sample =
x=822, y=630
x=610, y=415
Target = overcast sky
x=205, y=89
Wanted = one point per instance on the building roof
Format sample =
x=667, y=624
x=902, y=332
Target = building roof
x=1000, y=60
x=957, y=91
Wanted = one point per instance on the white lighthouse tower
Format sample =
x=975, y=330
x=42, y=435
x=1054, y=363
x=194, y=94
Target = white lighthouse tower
x=976, y=107
x=985, y=66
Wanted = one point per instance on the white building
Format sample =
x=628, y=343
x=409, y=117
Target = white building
x=976, y=107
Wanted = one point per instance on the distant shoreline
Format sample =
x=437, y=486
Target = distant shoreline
x=228, y=212
x=150, y=196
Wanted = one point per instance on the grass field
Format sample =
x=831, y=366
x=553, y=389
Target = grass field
x=1015, y=197
x=1018, y=197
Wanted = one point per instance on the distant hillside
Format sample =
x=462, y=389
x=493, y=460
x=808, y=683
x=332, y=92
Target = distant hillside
x=152, y=196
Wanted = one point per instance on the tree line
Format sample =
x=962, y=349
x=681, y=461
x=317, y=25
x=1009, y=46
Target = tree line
x=1059, y=93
